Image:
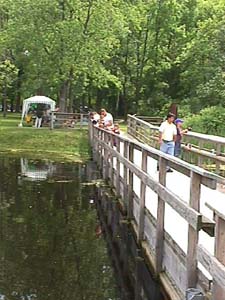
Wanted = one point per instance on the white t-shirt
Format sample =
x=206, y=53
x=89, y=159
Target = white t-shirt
x=168, y=131
x=96, y=117
x=108, y=119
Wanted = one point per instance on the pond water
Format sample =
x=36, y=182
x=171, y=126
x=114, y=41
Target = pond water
x=54, y=243
x=49, y=246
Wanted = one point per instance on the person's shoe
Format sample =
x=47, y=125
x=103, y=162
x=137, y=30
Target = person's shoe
x=169, y=170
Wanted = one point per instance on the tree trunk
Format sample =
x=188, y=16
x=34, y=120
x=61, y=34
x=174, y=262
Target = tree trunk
x=63, y=96
x=99, y=100
x=18, y=87
x=4, y=103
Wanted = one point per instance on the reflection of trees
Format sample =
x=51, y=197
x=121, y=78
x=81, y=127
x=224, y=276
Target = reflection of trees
x=48, y=242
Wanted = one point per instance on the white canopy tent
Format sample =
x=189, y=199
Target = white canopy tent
x=35, y=100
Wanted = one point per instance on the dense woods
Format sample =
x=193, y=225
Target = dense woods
x=135, y=56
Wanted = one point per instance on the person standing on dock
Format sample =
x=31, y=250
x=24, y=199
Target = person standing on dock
x=167, y=136
x=107, y=118
x=180, y=132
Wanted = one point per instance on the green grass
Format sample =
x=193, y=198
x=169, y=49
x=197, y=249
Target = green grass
x=63, y=145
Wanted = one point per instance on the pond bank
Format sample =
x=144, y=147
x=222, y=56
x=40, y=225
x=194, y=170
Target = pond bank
x=43, y=143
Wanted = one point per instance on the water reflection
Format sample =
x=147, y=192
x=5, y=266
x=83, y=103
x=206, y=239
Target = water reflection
x=133, y=276
x=36, y=170
x=51, y=246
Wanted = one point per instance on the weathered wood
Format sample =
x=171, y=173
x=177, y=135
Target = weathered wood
x=181, y=207
x=117, y=144
x=131, y=181
x=125, y=187
x=219, y=283
x=192, y=270
x=208, y=226
x=200, y=156
x=215, y=268
x=160, y=217
x=140, y=128
x=167, y=255
x=142, y=198
x=111, y=158
x=218, y=150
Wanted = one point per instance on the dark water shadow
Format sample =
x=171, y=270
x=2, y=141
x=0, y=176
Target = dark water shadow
x=131, y=271
x=55, y=244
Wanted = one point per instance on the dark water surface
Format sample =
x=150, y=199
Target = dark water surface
x=49, y=242
x=60, y=240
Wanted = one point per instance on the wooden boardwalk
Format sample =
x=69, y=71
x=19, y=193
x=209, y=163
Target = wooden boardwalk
x=203, y=150
x=178, y=218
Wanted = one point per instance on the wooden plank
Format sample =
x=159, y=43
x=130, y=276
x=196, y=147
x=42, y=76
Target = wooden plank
x=192, y=269
x=131, y=181
x=208, y=226
x=117, y=143
x=181, y=207
x=111, y=158
x=213, y=266
x=160, y=218
x=219, y=285
x=142, y=198
x=125, y=187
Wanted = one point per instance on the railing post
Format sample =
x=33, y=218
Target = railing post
x=160, y=217
x=125, y=178
x=199, y=156
x=218, y=150
x=106, y=158
x=81, y=120
x=195, y=193
x=117, y=140
x=131, y=182
x=218, y=291
x=52, y=120
x=142, y=199
x=111, y=159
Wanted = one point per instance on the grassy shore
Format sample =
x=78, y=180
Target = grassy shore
x=61, y=145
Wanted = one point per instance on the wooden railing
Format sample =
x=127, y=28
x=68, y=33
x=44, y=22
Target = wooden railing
x=177, y=270
x=68, y=120
x=204, y=150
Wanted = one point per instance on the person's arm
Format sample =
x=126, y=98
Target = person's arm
x=161, y=129
x=160, y=137
x=183, y=131
x=175, y=133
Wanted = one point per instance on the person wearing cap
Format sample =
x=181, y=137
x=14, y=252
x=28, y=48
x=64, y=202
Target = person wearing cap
x=180, y=132
x=167, y=136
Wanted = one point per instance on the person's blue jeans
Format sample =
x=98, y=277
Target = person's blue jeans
x=177, y=149
x=167, y=147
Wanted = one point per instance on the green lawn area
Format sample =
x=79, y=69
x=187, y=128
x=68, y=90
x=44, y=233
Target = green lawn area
x=58, y=144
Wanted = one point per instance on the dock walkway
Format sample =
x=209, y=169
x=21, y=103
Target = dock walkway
x=176, y=220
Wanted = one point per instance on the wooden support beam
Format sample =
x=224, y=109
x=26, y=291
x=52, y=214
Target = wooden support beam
x=219, y=282
x=117, y=144
x=131, y=182
x=160, y=218
x=125, y=177
x=142, y=198
x=195, y=193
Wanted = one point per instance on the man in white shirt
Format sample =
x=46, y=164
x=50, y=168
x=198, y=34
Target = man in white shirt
x=107, y=118
x=167, y=135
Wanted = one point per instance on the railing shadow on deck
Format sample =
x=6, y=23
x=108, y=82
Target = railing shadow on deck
x=176, y=269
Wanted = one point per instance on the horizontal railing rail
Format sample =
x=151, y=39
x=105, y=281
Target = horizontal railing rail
x=68, y=120
x=127, y=164
x=204, y=150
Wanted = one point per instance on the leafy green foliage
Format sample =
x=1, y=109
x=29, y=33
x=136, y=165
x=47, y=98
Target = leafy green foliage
x=209, y=120
x=130, y=56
